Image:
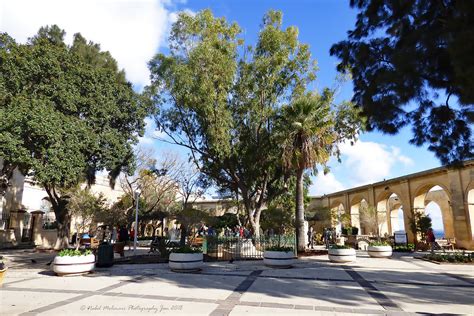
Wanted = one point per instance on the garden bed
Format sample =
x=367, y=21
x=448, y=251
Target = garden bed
x=449, y=258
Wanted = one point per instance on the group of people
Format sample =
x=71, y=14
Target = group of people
x=329, y=236
x=108, y=233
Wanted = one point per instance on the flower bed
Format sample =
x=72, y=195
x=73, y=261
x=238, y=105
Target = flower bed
x=456, y=257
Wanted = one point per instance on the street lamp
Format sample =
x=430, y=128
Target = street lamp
x=137, y=196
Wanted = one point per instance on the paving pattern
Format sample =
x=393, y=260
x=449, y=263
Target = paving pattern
x=314, y=286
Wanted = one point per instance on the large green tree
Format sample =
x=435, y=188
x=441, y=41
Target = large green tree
x=66, y=112
x=311, y=129
x=411, y=63
x=219, y=97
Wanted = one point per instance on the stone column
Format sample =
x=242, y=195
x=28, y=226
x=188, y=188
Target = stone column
x=407, y=202
x=16, y=223
x=461, y=231
x=37, y=227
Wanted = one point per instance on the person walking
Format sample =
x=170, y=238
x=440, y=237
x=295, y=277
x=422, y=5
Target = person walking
x=311, y=237
x=430, y=238
x=113, y=237
x=124, y=236
x=327, y=237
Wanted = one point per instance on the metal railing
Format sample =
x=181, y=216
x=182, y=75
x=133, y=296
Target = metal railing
x=236, y=248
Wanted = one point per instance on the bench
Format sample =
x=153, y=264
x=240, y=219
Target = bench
x=119, y=248
x=447, y=244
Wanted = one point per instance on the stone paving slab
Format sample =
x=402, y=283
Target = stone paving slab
x=16, y=302
x=436, y=300
x=183, y=285
x=103, y=305
x=309, y=292
x=83, y=283
x=398, y=286
x=317, y=273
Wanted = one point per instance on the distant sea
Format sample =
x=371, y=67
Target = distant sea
x=438, y=233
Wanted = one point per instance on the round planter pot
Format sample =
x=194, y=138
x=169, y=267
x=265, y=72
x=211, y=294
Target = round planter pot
x=186, y=262
x=342, y=255
x=73, y=264
x=278, y=259
x=380, y=251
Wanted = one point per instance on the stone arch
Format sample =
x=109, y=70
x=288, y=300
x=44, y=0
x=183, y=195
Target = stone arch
x=424, y=195
x=469, y=194
x=354, y=212
x=389, y=206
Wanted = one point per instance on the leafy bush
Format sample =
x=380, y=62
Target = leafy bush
x=403, y=248
x=457, y=257
x=355, y=230
x=74, y=253
x=280, y=248
x=339, y=247
x=379, y=243
x=187, y=249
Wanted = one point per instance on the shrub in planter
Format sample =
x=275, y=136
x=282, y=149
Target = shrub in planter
x=73, y=261
x=339, y=253
x=185, y=259
x=380, y=249
x=279, y=256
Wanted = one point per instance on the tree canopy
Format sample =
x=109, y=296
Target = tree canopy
x=66, y=112
x=411, y=63
x=219, y=98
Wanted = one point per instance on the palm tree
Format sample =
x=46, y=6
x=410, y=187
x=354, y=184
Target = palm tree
x=308, y=130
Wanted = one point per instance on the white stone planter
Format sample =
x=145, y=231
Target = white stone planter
x=278, y=259
x=73, y=264
x=186, y=261
x=342, y=255
x=380, y=251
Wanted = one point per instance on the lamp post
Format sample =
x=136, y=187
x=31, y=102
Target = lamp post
x=137, y=196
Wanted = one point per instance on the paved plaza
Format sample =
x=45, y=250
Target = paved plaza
x=314, y=286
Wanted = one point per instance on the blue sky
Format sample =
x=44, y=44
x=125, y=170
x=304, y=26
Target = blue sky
x=134, y=30
x=321, y=24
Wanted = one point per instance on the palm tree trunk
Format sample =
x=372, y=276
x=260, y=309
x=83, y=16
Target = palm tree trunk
x=299, y=216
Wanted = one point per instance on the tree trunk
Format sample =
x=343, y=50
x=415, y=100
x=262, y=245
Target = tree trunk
x=63, y=219
x=299, y=216
x=182, y=241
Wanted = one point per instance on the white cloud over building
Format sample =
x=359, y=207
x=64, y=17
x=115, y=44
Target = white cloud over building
x=132, y=30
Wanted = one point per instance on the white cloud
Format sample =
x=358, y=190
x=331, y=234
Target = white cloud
x=369, y=162
x=324, y=184
x=362, y=163
x=132, y=30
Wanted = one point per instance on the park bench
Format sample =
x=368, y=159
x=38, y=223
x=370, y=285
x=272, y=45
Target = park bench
x=119, y=248
x=446, y=244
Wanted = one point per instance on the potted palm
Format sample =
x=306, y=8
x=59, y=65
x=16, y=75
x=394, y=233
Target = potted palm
x=338, y=253
x=380, y=249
